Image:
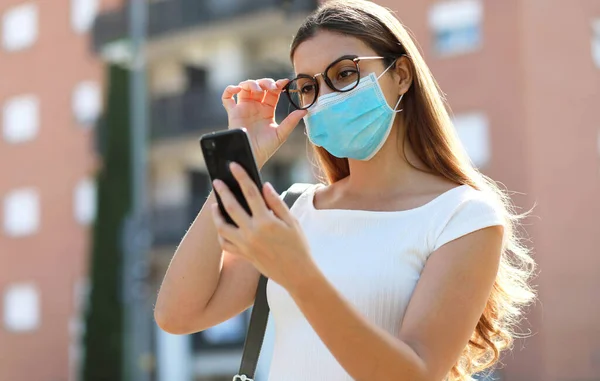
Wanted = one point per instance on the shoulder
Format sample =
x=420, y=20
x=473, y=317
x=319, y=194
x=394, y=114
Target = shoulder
x=298, y=195
x=463, y=211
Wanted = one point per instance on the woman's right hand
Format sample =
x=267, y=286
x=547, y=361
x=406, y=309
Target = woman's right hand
x=255, y=111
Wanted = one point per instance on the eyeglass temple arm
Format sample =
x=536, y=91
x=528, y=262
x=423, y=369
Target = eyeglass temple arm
x=368, y=58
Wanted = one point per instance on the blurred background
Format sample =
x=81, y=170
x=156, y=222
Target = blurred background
x=102, y=103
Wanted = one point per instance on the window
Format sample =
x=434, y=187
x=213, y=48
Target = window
x=20, y=121
x=84, y=201
x=81, y=295
x=19, y=27
x=21, y=308
x=87, y=103
x=83, y=13
x=21, y=212
x=456, y=26
x=81, y=290
x=473, y=131
x=596, y=42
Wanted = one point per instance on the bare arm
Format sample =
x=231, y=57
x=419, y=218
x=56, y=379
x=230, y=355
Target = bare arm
x=443, y=312
x=203, y=286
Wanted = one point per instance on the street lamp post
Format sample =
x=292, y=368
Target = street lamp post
x=137, y=361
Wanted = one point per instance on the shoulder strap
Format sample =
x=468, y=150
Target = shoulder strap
x=260, y=311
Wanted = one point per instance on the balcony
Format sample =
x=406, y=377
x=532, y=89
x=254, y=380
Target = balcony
x=169, y=16
x=194, y=112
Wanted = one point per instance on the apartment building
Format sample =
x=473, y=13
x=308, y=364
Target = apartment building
x=50, y=97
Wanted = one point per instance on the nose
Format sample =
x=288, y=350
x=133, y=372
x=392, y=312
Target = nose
x=324, y=88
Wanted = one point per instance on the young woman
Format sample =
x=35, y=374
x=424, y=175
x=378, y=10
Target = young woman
x=403, y=265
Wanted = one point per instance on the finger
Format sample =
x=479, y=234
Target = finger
x=251, y=90
x=231, y=205
x=229, y=247
x=228, y=99
x=226, y=232
x=286, y=127
x=281, y=83
x=272, y=93
x=267, y=84
x=251, y=193
x=277, y=205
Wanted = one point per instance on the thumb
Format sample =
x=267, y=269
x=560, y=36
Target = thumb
x=288, y=124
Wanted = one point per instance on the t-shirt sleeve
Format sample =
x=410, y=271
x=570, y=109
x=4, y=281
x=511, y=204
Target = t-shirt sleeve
x=472, y=214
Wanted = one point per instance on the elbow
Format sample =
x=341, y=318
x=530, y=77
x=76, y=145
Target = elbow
x=172, y=321
x=165, y=322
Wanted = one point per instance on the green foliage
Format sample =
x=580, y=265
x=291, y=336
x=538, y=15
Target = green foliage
x=103, y=340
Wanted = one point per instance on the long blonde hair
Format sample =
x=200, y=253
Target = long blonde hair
x=431, y=135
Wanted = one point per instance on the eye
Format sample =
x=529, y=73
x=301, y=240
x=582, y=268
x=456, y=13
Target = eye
x=346, y=73
x=307, y=89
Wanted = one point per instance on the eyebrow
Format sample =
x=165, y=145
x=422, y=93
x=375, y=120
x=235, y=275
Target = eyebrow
x=345, y=56
x=349, y=56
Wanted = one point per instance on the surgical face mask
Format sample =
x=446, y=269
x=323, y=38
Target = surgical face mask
x=354, y=124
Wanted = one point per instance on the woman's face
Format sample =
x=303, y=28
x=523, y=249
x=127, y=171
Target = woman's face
x=313, y=56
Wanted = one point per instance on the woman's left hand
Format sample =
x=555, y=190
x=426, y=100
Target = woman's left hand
x=271, y=238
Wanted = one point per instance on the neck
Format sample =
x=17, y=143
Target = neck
x=387, y=172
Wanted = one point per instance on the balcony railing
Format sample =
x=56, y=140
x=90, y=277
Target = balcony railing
x=168, y=16
x=194, y=111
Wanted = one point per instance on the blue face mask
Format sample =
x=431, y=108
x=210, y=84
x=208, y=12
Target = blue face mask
x=354, y=124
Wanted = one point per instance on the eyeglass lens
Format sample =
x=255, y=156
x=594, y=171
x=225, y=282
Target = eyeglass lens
x=342, y=76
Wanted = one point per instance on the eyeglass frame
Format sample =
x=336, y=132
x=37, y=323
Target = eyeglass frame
x=355, y=59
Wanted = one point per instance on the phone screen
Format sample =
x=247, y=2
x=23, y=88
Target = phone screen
x=222, y=148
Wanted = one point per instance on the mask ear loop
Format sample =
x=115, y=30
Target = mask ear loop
x=388, y=68
x=397, y=104
x=401, y=96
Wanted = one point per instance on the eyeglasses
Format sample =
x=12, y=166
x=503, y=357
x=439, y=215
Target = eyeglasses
x=342, y=75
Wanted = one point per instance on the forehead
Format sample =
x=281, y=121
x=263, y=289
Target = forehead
x=315, y=54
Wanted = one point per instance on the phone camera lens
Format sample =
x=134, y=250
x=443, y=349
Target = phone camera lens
x=210, y=145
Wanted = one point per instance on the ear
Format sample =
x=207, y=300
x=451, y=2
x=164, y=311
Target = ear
x=404, y=73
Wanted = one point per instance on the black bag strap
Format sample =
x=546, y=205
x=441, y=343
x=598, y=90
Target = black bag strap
x=260, y=311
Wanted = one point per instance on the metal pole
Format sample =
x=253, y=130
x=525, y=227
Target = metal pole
x=137, y=365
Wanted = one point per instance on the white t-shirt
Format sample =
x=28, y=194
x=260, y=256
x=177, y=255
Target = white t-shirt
x=374, y=259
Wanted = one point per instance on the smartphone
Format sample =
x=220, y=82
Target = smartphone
x=220, y=149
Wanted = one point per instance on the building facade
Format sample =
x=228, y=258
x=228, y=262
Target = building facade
x=50, y=96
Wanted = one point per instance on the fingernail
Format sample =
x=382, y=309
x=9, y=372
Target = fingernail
x=270, y=187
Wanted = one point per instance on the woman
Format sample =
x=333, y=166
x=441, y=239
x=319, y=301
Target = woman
x=404, y=265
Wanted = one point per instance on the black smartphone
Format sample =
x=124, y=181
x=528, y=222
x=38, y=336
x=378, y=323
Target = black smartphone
x=220, y=149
